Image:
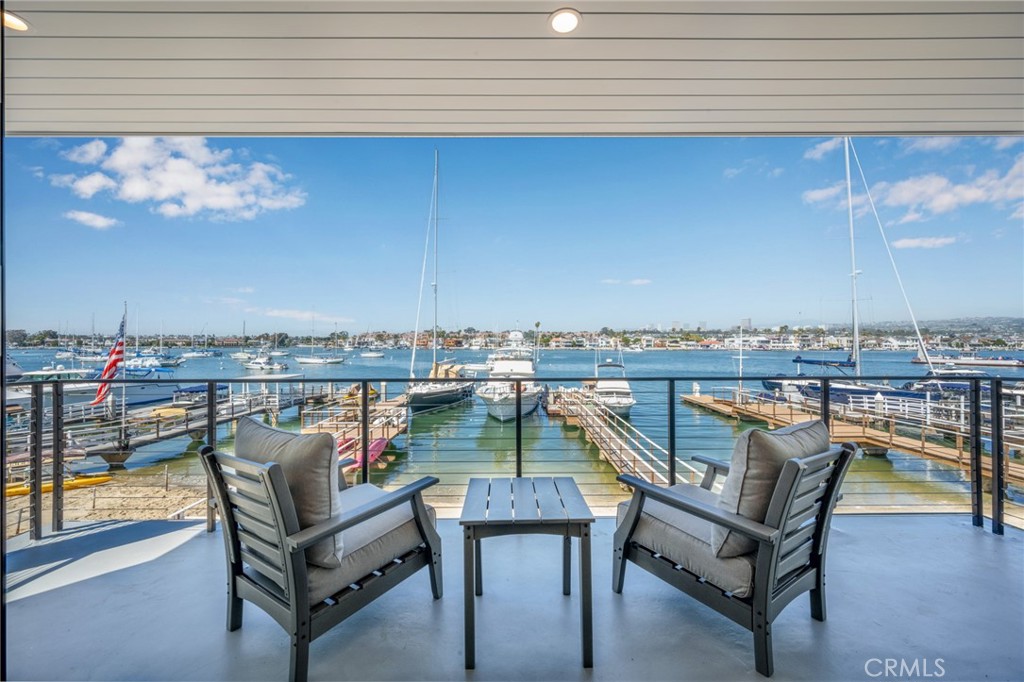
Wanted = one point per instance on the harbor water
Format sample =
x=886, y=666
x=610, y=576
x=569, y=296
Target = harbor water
x=460, y=442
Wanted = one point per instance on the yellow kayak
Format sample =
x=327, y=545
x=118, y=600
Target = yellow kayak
x=84, y=481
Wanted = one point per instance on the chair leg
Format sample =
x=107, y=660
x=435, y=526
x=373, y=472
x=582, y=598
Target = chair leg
x=818, y=599
x=299, y=666
x=234, y=612
x=436, y=574
x=763, y=659
x=618, y=567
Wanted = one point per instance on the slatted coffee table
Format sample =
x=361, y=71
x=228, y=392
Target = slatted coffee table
x=510, y=506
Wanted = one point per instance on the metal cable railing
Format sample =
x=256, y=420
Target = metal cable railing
x=959, y=453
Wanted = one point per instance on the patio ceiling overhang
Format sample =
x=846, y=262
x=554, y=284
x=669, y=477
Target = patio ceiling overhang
x=433, y=68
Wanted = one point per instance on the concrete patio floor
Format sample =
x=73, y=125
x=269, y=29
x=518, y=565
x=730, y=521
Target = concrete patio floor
x=145, y=601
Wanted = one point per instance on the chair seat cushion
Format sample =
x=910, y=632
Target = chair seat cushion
x=757, y=462
x=310, y=465
x=686, y=540
x=369, y=545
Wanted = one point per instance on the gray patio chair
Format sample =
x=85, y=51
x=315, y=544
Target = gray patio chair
x=752, y=549
x=303, y=546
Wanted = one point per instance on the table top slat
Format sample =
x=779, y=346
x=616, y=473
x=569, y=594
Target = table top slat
x=575, y=506
x=525, y=501
x=499, y=505
x=474, y=507
x=549, y=501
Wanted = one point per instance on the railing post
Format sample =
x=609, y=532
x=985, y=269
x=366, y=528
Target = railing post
x=211, y=440
x=519, y=428
x=996, y=399
x=35, y=490
x=977, y=480
x=57, y=405
x=671, y=432
x=364, y=387
x=826, y=403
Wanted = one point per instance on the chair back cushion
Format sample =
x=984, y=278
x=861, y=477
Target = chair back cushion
x=310, y=465
x=757, y=462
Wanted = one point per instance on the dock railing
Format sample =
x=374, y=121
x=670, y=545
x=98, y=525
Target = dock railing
x=958, y=454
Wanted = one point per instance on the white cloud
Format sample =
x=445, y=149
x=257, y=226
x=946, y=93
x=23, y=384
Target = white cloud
x=775, y=172
x=910, y=217
x=92, y=183
x=731, y=173
x=1002, y=143
x=182, y=177
x=923, y=242
x=639, y=282
x=935, y=194
x=90, y=152
x=92, y=220
x=939, y=143
x=818, y=151
x=244, y=290
x=815, y=196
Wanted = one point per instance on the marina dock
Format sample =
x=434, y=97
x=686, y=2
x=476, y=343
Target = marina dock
x=342, y=418
x=618, y=442
x=869, y=430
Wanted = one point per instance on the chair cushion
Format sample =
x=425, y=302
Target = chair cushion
x=310, y=465
x=686, y=540
x=369, y=545
x=757, y=462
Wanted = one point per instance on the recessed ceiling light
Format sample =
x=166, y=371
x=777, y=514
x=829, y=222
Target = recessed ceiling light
x=564, y=20
x=14, y=22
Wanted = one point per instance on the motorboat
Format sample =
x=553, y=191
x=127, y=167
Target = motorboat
x=611, y=390
x=512, y=366
x=78, y=386
x=319, y=359
x=264, y=363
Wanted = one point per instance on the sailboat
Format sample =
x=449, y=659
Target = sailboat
x=322, y=359
x=841, y=390
x=434, y=394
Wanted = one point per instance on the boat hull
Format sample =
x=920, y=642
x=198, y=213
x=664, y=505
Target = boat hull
x=435, y=396
x=501, y=403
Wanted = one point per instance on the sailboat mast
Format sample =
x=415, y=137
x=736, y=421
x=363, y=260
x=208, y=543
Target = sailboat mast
x=853, y=261
x=437, y=182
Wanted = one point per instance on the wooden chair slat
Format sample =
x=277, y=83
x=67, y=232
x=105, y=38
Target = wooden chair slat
x=549, y=501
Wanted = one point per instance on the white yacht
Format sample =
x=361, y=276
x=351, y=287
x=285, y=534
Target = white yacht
x=264, y=363
x=611, y=389
x=500, y=396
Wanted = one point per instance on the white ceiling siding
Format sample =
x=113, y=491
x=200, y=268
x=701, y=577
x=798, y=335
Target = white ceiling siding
x=424, y=68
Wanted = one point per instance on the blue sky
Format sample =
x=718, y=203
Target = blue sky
x=202, y=234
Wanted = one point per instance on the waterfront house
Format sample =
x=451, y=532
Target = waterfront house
x=911, y=596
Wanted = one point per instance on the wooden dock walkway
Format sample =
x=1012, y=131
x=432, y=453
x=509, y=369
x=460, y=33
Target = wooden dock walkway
x=620, y=443
x=859, y=428
x=342, y=418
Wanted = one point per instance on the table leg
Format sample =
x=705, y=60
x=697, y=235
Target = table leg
x=468, y=564
x=566, y=563
x=586, y=604
x=479, y=570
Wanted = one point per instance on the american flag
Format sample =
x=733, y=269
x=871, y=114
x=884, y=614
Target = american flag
x=114, y=360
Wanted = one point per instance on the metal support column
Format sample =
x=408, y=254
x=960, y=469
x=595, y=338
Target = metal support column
x=826, y=402
x=364, y=388
x=519, y=428
x=35, y=488
x=998, y=482
x=672, y=432
x=211, y=440
x=57, y=405
x=977, y=481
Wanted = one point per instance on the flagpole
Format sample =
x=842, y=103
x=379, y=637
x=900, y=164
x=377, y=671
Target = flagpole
x=124, y=387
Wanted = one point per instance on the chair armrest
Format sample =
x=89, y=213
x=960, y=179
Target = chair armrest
x=310, y=536
x=347, y=462
x=740, y=524
x=715, y=467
